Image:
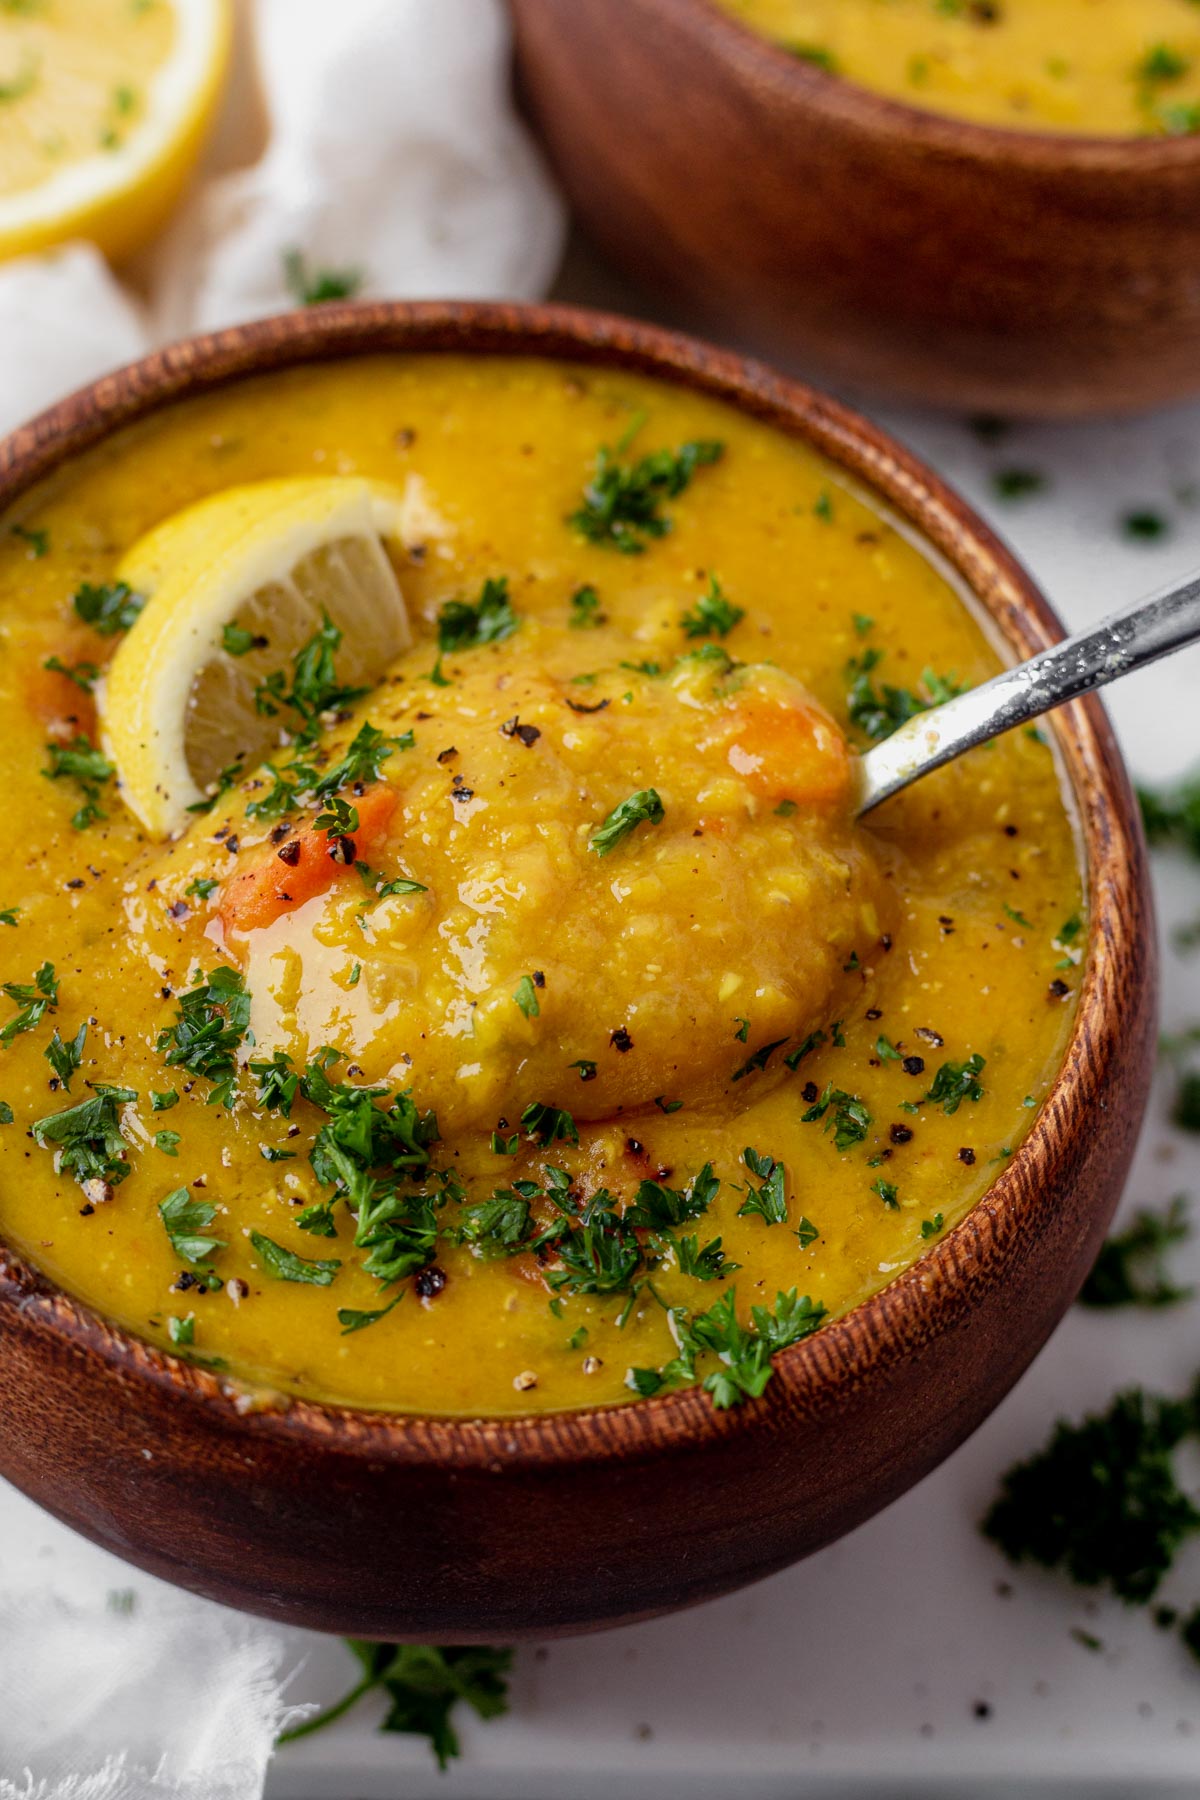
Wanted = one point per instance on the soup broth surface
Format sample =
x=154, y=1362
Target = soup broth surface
x=1107, y=68
x=718, y=1048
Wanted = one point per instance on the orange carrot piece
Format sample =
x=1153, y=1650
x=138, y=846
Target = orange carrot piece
x=791, y=752
x=305, y=865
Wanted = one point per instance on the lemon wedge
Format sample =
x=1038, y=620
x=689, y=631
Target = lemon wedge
x=233, y=587
x=104, y=105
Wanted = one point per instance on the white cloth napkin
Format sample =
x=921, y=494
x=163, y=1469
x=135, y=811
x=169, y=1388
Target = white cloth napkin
x=374, y=135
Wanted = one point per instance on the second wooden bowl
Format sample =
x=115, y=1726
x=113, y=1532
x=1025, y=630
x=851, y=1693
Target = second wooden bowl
x=879, y=245
x=468, y=1529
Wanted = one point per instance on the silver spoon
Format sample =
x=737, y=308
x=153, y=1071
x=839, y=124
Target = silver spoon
x=1129, y=640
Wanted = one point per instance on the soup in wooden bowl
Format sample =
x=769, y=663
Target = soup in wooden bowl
x=472, y=1085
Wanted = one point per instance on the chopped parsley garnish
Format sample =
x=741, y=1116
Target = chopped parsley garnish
x=759, y=1060
x=499, y=1226
x=423, y=1684
x=285, y=1265
x=931, y=1227
x=622, y=502
x=351, y=1318
x=888, y=1192
x=744, y=1352
x=714, y=614
x=768, y=1200
x=526, y=997
x=956, y=1082
x=9, y=915
x=37, y=538
x=33, y=999
x=490, y=620
x=382, y=889
x=585, y=610
x=1162, y=62
x=313, y=287
x=1131, y=1267
x=364, y=759
x=163, y=1102
x=182, y=1332
x=278, y=1083
x=816, y=54
x=237, y=641
x=187, y=1223
x=642, y=808
x=846, y=1113
x=88, y=1136
x=795, y=1057
x=202, y=887
x=65, y=1058
x=81, y=762
x=212, y=1020
x=107, y=609
x=549, y=1124
x=315, y=687
x=806, y=1233
x=167, y=1142
x=83, y=674
x=878, y=712
x=337, y=818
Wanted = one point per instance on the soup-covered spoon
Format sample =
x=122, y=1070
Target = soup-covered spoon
x=1128, y=640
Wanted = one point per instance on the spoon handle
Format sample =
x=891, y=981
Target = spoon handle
x=1128, y=640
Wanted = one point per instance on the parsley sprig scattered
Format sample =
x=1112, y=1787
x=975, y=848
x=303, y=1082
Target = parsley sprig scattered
x=423, y=1684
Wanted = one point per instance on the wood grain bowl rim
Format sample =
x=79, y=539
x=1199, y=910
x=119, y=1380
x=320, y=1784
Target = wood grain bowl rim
x=932, y=1295
x=842, y=101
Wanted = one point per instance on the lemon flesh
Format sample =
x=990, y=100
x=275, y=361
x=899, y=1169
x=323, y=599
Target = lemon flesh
x=177, y=705
x=104, y=105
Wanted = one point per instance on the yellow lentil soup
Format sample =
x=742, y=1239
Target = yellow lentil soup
x=1111, y=68
x=537, y=1028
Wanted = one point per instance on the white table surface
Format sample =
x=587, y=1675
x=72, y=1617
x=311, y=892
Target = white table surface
x=857, y=1674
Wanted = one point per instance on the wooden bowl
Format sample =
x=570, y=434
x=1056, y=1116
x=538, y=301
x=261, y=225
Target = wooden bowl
x=1007, y=271
x=468, y=1529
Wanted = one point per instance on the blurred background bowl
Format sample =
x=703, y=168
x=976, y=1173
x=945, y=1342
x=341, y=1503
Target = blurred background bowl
x=866, y=241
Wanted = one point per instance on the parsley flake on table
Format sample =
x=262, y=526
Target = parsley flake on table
x=313, y=287
x=1131, y=1267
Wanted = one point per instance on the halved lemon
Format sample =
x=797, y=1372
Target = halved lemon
x=234, y=586
x=104, y=105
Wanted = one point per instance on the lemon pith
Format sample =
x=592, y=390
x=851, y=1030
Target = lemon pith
x=176, y=705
